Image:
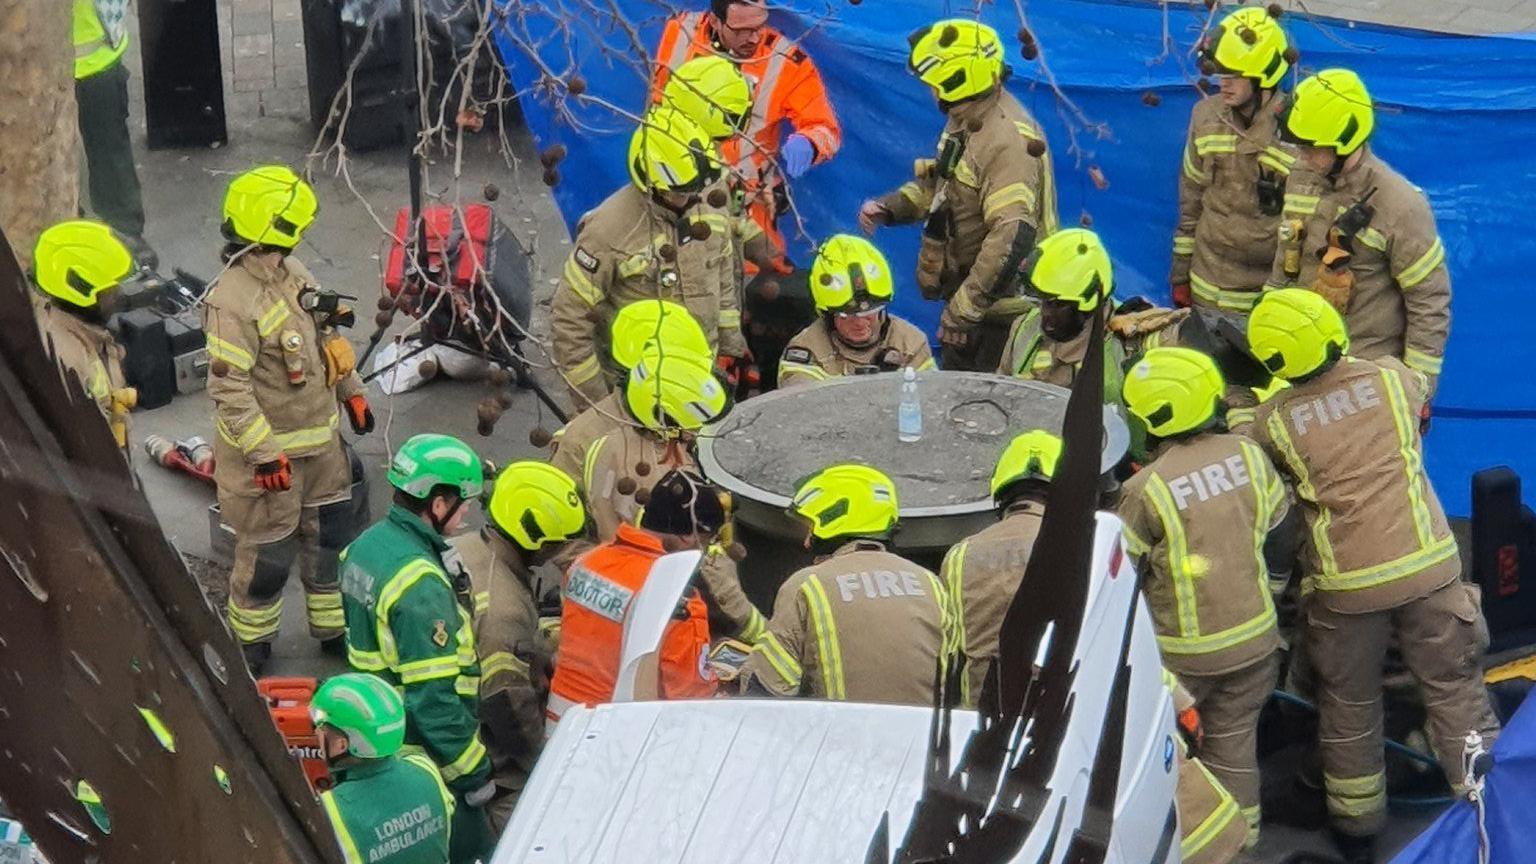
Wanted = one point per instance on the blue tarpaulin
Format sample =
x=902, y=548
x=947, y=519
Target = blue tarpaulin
x=1456, y=115
x=1511, y=796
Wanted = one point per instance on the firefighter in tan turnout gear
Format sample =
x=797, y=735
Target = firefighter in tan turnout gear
x=1198, y=518
x=984, y=199
x=533, y=510
x=1359, y=233
x=861, y=624
x=983, y=571
x=77, y=266
x=1381, y=560
x=1232, y=184
x=1211, y=826
x=658, y=237
x=668, y=398
x=660, y=321
x=851, y=286
x=279, y=375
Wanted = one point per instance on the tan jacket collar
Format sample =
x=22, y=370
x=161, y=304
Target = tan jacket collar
x=977, y=109
x=264, y=274
x=502, y=549
x=860, y=545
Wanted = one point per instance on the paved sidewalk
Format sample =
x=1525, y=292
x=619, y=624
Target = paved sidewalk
x=262, y=60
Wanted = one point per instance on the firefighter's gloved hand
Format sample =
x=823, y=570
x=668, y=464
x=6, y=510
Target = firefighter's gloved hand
x=797, y=155
x=1192, y=729
x=1182, y=296
x=1424, y=417
x=953, y=333
x=482, y=796
x=733, y=368
x=359, y=414
x=275, y=476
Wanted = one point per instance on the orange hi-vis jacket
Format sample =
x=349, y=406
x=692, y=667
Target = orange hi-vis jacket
x=785, y=87
x=599, y=590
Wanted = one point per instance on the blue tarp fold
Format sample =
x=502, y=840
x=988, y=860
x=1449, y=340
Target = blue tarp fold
x=1511, y=796
x=1457, y=115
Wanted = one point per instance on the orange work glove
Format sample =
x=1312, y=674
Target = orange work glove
x=359, y=414
x=1424, y=415
x=275, y=476
x=1192, y=729
x=1182, y=296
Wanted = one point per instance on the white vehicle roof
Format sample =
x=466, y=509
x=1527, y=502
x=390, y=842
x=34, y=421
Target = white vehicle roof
x=724, y=780
x=807, y=781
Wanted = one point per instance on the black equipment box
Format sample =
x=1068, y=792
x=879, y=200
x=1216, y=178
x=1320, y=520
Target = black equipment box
x=165, y=354
x=147, y=365
x=183, y=79
x=1503, y=543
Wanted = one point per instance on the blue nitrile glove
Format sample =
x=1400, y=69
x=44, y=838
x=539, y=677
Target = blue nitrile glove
x=797, y=155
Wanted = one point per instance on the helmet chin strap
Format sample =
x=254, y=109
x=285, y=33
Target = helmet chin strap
x=439, y=524
x=1338, y=166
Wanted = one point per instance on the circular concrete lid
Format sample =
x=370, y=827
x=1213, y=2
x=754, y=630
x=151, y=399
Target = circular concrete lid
x=766, y=445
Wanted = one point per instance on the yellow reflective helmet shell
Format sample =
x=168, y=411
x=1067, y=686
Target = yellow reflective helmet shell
x=1295, y=332
x=536, y=505
x=1251, y=43
x=1331, y=110
x=75, y=261
x=1072, y=265
x=670, y=391
x=711, y=91
x=269, y=205
x=1030, y=455
x=847, y=500
x=850, y=270
x=958, y=57
x=1173, y=390
x=662, y=322
x=671, y=153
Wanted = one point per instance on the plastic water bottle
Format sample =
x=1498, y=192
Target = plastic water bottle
x=909, y=413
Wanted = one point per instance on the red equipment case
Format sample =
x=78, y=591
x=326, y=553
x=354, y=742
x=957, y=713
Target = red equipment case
x=474, y=258
x=288, y=699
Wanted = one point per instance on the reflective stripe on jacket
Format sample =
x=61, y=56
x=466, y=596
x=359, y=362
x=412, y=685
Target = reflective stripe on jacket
x=267, y=373
x=597, y=594
x=1224, y=246
x=816, y=354
x=394, y=810
x=407, y=624
x=1349, y=441
x=864, y=625
x=786, y=88
x=98, y=46
x=1198, y=517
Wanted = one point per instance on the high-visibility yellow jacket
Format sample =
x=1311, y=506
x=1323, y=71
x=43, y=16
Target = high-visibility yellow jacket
x=96, y=48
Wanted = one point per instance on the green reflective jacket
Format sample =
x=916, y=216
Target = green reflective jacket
x=393, y=810
x=406, y=624
x=1027, y=360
